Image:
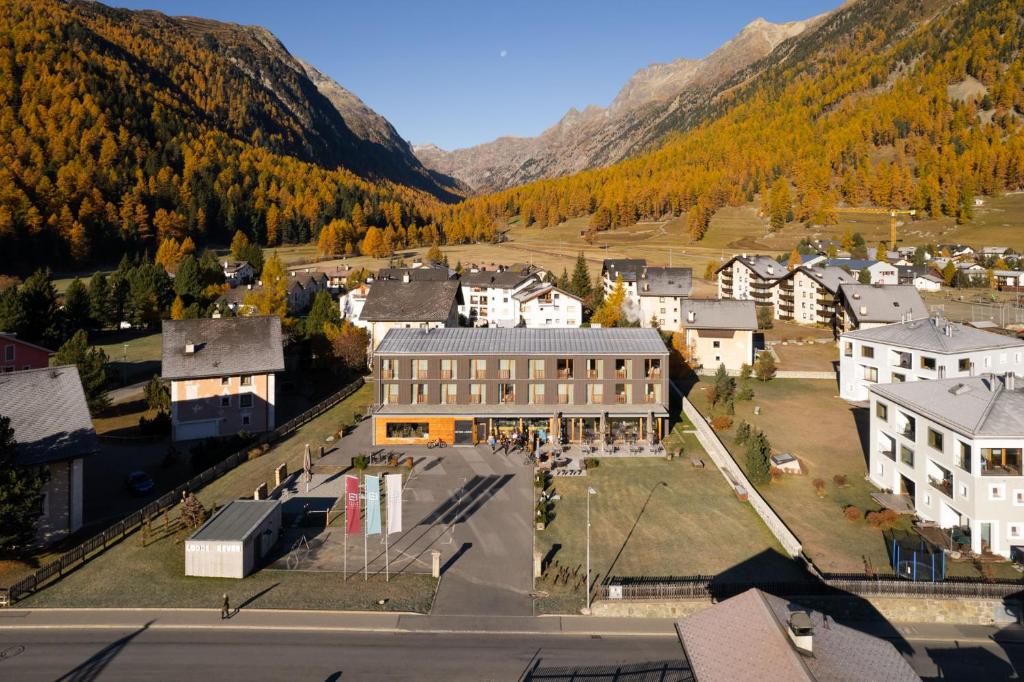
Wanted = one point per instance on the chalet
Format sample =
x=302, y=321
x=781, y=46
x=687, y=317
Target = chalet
x=238, y=272
x=410, y=304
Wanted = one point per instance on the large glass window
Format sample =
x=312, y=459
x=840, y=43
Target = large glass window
x=652, y=368
x=506, y=369
x=906, y=455
x=867, y=351
x=419, y=393
x=388, y=368
x=964, y=364
x=622, y=369
x=506, y=393
x=564, y=394
x=536, y=369
x=882, y=411
x=964, y=457
x=478, y=368
x=389, y=394
x=1001, y=461
x=449, y=369
x=408, y=430
x=595, y=394
x=935, y=438
x=564, y=366
x=478, y=393
x=595, y=368
x=536, y=394
x=927, y=363
x=449, y=394
x=419, y=369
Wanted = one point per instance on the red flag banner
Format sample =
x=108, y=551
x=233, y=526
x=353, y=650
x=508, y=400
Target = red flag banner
x=352, y=524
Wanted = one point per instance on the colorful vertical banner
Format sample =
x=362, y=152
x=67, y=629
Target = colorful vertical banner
x=352, y=524
x=371, y=484
x=393, y=488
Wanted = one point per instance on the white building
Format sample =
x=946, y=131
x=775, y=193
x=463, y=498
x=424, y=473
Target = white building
x=351, y=302
x=750, y=278
x=409, y=304
x=661, y=293
x=873, y=305
x=628, y=269
x=238, y=272
x=954, y=448
x=489, y=297
x=809, y=295
x=543, y=305
x=719, y=332
x=928, y=282
x=918, y=350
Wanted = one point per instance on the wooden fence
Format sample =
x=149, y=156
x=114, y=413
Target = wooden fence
x=130, y=523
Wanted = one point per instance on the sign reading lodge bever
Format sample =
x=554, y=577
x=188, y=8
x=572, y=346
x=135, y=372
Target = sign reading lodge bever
x=205, y=547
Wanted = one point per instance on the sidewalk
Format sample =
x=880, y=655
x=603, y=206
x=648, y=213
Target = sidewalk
x=328, y=621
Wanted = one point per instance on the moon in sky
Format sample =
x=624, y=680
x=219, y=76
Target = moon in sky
x=503, y=53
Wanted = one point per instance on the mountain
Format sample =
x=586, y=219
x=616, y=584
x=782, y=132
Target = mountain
x=599, y=136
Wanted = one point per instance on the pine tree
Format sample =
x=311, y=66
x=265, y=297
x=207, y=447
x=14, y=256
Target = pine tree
x=563, y=280
x=188, y=283
x=21, y=494
x=92, y=369
x=77, y=313
x=99, y=300
x=41, y=318
x=758, y=451
x=579, y=285
x=864, y=276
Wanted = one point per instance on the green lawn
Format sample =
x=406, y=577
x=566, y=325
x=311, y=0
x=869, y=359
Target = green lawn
x=133, y=355
x=691, y=525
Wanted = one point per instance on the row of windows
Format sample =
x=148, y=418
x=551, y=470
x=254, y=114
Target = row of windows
x=246, y=380
x=926, y=362
x=506, y=394
x=565, y=368
x=244, y=400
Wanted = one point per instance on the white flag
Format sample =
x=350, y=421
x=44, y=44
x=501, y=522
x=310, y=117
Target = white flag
x=393, y=487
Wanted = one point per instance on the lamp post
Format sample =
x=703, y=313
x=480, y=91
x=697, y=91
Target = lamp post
x=590, y=491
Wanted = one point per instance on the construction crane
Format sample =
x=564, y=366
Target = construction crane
x=892, y=213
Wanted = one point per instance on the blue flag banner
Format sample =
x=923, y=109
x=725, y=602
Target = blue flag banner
x=372, y=489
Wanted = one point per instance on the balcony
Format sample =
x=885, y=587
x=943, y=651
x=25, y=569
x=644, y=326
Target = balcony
x=563, y=399
x=504, y=374
x=447, y=374
x=621, y=374
x=654, y=374
x=943, y=485
x=565, y=374
x=422, y=374
x=786, y=296
x=593, y=374
x=650, y=398
x=890, y=453
x=420, y=399
x=475, y=399
x=620, y=398
x=537, y=374
x=480, y=374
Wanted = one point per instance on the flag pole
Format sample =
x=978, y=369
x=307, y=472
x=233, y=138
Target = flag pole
x=344, y=534
x=387, y=532
x=366, y=554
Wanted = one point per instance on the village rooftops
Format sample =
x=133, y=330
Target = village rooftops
x=628, y=268
x=424, y=274
x=231, y=266
x=48, y=413
x=758, y=636
x=665, y=282
x=523, y=341
x=536, y=289
x=226, y=346
x=495, y=279
x=764, y=267
x=935, y=335
x=883, y=303
x=830, y=278
x=986, y=406
x=719, y=314
x=413, y=301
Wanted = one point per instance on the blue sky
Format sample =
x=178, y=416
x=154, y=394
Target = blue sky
x=458, y=72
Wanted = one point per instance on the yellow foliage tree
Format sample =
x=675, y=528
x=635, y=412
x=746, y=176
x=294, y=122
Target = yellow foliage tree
x=272, y=297
x=178, y=309
x=169, y=254
x=794, y=259
x=610, y=312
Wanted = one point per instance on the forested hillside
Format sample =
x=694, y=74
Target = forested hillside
x=120, y=128
x=910, y=103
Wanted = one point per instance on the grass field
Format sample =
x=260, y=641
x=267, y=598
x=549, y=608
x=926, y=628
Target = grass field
x=133, y=355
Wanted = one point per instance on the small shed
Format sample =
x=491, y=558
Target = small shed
x=786, y=463
x=234, y=540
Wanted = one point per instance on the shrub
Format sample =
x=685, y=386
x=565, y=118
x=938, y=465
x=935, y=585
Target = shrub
x=721, y=422
x=765, y=317
x=882, y=520
x=360, y=462
x=777, y=474
x=745, y=371
x=742, y=433
x=819, y=486
x=764, y=367
x=159, y=425
x=853, y=513
x=758, y=450
x=591, y=462
x=839, y=480
x=745, y=393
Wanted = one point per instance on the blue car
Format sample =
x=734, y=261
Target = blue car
x=139, y=483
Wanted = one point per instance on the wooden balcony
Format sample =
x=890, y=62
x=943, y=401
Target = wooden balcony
x=563, y=399
x=537, y=374
x=447, y=374
x=420, y=399
x=475, y=399
x=564, y=374
x=621, y=374
x=504, y=374
x=593, y=374
x=422, y=374
x=620, y=399
x=387, y=374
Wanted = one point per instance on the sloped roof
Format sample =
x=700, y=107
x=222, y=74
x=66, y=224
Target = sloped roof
x=497, y=279
x=765, y=267
x=532, y=291
x=829, y=277
x=423, y=274
x=523, y=341
x=665, y=282
x=224, y=346
x=48, y=413
x=7, y=336
x=854, y=264
x=885, y=303
x=629, y=268
x=974, y=406
x=413, y=301
x=935, y=335
x=745, y=638
x=236, y=521
x=719, y=314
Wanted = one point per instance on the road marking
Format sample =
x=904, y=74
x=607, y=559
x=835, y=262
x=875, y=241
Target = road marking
x=340, y=628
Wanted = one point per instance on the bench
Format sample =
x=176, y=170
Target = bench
x=697, y=462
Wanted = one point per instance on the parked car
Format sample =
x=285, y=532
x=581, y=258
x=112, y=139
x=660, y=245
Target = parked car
x=139, y=483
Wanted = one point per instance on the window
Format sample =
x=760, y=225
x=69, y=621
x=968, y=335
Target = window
x=449, y=394
x=595, y=394
x=622, y=392
x=595, y=369
x=247, y=380
x=477, y=393
x=1014, y=530
x=506, y=394
x=564, y=367
x=419, y=393
x=1000, y=461
x=906, y=455
x=898, y=378
x=653, y=368
x=996, y=491
x=622, y=369
x=536, y=369
x=848, y=349
x=927, y=363
x=9, y=353
x=867, y=351
x=963, y=490
x=536, y=396
x=448, y=369
x=478, y=368
x=882, y=411
x=871, y=374
x=1018, y=497
x=564, y=394
x=408, y=430
x=245, y=420
x=716, y=344
x=964, y=457
x=224, y=381
x=225, y=401
x=245, y=400
x=935, y=439
x=419, y=369
x=388, y=369
x=389, y=394
x=964, y=364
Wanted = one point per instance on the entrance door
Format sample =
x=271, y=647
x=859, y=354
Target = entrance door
x=481, y=430
x=986, y=536
x=463, y=432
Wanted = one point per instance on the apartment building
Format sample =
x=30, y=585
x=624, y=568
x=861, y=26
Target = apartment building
x=921, y=350
x=719, y=332
x=408, y=303
x=872, y=305
x=628, y=269
x=545, y=305
x=462, y=385
x=954, y=447
x=222, y=375
x=750, y=278
x=660, y=296
x=809, y=295
x=488, y=297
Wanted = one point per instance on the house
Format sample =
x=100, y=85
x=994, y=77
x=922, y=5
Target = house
x=953, y=447
x=905, y=274
x=408, y=303
x=810, y=259
x=488, y=297
x=993, y=251
x=956, y=250
x=350, y=304
x=628, y=269
x=660, y=294
x=881, y=272
x=53, y=429
x=419, y=271
x=303, y=286
x=758, y=636
x=545, y=305
x=1007, y=279
x=921, y=349
x=872, y=305
x=16, y=354
x=750, y=278
x=970, y=273
x=222, y=374
x=809, y=295
x=463, y=385
x=929, y=281
x=719, y=332
x=238, y=272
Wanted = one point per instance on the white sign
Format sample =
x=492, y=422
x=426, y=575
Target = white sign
x=615, y=591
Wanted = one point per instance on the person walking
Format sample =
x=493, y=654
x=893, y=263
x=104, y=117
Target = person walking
x=225, y=609
x=493, y=443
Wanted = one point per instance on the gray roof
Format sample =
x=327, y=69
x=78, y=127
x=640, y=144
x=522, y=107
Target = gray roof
x=882, y=303
x=745, y=638
x=523, y=341
x=629, y=268
x=534, y=290
x=236, y=521
x=414, y=301
x=48, y=413
x=498, y=279
x=665, y=282
x=935, y=335
x=476, y=409
x=713, y=313
x=829, y=277
x=224, y=346
x=765, y=267
x=234, y=265
x=979, y=406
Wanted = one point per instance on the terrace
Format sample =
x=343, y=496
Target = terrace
x=1000, y=461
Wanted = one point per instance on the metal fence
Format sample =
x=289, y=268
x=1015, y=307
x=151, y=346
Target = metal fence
x=712, y=588
x=130, y=523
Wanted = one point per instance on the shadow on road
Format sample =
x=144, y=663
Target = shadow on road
x=93, y=667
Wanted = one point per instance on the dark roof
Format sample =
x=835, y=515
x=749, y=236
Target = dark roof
x=716, y=313
x=498, y=279
x=831, y=278
x=854, y=264
x=764, y=267
x=234, y=265
x=935, y=335
x=882, y=303
x=523, y=341
x=236, y=521
x=7, y=336
x=746, y=638
x=48, y=413
x=224, y=346
x=629, y=268
x=415, y=301
x=536, y=289
x=665, y=282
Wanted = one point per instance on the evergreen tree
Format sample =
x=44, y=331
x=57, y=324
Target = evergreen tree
x=188, y=283
x=563, y=280
x=77, y=308
x=40, y=317
x=758, y=451
x=21, y=494
x=597, y=293
x=99, y=300
x=579, y=285
x=864, y=276
x=324, y=311
x=158, y=396
x=150, y=293
x=92, y=369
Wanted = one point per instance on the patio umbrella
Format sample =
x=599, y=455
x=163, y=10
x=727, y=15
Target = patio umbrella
x=307, y=467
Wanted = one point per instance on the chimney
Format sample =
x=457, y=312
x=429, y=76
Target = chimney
x=405, y=277
x=190, y=348
x=863, y=310
x=691, y=316
x=801, y=632
x=771, y=269
x=249, y=287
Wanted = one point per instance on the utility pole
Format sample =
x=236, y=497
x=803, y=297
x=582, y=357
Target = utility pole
x=590, y=491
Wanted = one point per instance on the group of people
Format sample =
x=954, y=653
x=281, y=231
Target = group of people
x=516, y=440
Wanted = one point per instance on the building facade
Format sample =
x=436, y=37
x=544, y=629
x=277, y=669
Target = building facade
x=953, y=447
x=16, y=354
x=410, y=304
x=488, y=297
x=547, y=306
x=921, y=350
x=661, y=293
x=809, y=295
x=750, y=278
x=864, y=306
x=463, y=385
x=719, y=332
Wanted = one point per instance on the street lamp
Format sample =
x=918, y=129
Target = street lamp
x=590, y=491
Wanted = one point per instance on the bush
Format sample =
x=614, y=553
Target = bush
x=745, y=393
x=764, y=366
x=360, y=462
x=777, y=474
x=765, y=316
x=742, y=433
x=721, y=422
x=159, y=425
x=882, y=520
x=839, y=480
x=591, y=462
x=745, y=371
x=819, y=486
x=853, y=513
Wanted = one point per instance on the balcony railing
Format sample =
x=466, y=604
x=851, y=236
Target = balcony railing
x=505, y=373
x=422, y=374
x=480, y=374
x=592, y=374
x=537, y=374
x=654, y=373
x=620, y=399
x=475, y=399
x=998, y=469
x=447, y=374
x=620, y=374
x=650, y=398
x=563, y=399
x=944, y=485
x=564, y=374
x=387, y=374
x=422, y=398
